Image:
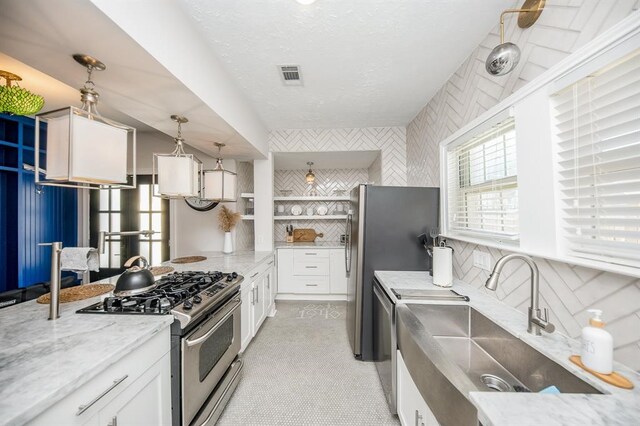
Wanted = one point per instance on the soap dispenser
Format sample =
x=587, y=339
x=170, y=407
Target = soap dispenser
x=597, y=345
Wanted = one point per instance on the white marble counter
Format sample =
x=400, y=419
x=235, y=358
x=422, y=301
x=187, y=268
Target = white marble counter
x=311, y=244
x=241, y=262
x=616, y=407
x=43, y=361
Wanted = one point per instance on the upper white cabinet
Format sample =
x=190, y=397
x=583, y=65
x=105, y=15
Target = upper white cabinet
x=311, y=271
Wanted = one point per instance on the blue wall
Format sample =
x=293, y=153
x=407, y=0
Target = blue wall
x=29, y=216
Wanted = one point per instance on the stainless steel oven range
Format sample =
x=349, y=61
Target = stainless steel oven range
x=205, y=338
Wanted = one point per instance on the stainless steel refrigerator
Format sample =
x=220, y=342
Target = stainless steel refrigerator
x=382, y=231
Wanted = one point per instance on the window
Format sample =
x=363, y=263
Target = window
x=483, y=185
x=597, y=135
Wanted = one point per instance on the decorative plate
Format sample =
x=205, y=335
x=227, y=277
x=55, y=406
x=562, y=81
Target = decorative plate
x=322, y=210
x=296, y=210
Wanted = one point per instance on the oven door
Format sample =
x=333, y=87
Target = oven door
x=207, y=353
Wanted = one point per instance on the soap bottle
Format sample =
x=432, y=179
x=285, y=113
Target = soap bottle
x=597, y=345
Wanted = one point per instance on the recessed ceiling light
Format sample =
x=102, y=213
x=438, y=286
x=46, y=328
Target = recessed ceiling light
x=305, y=2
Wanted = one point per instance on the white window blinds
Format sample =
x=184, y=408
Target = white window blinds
x=483, y=186
x=597, y=130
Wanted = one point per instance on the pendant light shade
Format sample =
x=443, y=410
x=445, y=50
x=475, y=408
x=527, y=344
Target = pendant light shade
x=84, y=149
x=16, y=100
x=310, y=177
x=178, y=174
x=219, y=184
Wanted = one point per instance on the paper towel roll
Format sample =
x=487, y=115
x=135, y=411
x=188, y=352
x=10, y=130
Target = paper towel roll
x=443, y=266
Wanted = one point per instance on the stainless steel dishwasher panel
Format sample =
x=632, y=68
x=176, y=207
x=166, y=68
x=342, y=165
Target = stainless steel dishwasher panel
x=384, y=343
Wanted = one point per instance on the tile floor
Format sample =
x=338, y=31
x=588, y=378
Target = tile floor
x=299, y=370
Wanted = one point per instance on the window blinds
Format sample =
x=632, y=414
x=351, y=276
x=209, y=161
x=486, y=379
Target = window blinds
x=483, y=186
x=597, y=129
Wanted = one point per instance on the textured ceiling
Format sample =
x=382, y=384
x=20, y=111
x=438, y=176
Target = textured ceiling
x=364, y=62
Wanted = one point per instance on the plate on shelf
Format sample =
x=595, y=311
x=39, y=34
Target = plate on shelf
x=296, y=210
x=322, y=210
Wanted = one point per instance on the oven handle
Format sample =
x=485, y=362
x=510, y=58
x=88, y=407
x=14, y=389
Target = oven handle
x=213, y=330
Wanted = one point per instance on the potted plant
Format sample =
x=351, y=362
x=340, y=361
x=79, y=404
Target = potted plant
x=228, y=219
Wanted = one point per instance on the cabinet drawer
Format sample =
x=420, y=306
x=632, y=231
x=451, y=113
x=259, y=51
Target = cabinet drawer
x=303, y=255
x=311, y=285
x=312, y=267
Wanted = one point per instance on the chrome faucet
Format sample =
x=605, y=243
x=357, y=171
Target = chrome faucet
x=538, y=318
x=102, y=236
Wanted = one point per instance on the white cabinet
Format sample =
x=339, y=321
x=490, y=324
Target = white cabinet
x=136, y=390
x=412, y=409
x=257, y=292
x=304, y=272
x=338, y=272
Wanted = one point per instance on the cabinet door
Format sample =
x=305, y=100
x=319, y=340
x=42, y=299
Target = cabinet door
x=273, y=289
x=268, y=294
x=338, y=272
x=259, y=312
x=412, y=409
x=246, y=309
x=285, y=271
x=147, y=401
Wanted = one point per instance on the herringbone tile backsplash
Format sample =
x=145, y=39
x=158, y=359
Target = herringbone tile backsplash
x=567, y=290
x=327, y=181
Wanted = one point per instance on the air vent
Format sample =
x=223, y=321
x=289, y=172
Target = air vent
x=291, y=75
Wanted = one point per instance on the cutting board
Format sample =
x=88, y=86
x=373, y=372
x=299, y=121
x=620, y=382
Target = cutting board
x=305, y=235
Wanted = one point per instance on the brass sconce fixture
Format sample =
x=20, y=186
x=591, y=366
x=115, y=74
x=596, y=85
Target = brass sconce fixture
x=310, y=177
x=504, y=57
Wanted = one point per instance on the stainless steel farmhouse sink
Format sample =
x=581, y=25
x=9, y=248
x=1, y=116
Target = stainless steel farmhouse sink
x=452, y=350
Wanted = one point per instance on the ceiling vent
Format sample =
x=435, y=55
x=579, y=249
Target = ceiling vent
x=291, y=75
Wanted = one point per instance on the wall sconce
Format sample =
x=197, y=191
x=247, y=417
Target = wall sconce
x=16, y=100
x=505, y=56
x=310, y=177
x=177, y=174
x=219, y=184
x=85, y=150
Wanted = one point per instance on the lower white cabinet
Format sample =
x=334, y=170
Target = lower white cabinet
x=257, y=292
x=136, y=390
x=305, y=271
x=412, y=409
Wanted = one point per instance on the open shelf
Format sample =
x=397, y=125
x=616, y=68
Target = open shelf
x=312, y=198
x=247, y=195
x=246, y=217
x=314, y=217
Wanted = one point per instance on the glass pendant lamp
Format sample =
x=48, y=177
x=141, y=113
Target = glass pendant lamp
x=177, y=174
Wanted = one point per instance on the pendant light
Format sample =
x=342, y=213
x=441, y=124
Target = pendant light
x=219, y=184
x=178, y=174
x=505, y=56
x=310, y=177
x=84, y=149
x=15, y=100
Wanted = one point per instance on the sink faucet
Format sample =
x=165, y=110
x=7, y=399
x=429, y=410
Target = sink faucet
x=538, y=318
x=102, y=236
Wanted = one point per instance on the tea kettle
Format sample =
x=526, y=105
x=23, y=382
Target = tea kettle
x=136, y=279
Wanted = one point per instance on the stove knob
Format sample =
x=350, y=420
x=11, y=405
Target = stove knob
x=187, y=305
x=234, y=275
x=229, y=278
x=197, y=298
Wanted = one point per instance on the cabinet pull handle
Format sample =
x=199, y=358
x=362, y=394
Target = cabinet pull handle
x=311, y=285
x=254, y=275
x=85, y=407
x=114, y=421
x=418, y=418
x=311, y=267
x=311, y=254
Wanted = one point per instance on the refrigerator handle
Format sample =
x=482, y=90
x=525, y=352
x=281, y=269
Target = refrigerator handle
x=347, y=245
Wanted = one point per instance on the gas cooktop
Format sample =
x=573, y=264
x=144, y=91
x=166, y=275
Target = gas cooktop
x=183, y=294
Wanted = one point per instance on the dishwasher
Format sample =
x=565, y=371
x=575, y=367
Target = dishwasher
x=384, y=343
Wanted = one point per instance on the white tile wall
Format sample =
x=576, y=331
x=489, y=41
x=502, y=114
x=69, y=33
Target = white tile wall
x=327, y=181
x=564, y=26
x=390, y=141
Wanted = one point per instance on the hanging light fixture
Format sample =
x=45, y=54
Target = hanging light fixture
x=310, y=177
x=505, y=56
x=178, y=174
x=84, y=149
x=219, y=184
x=15, y=100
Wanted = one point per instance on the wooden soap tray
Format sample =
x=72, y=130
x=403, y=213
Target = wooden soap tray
x=614, y=378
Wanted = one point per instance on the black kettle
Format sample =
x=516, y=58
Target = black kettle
x=136, y=279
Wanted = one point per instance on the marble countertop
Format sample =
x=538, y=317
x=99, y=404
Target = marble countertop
x=312, y=244
x=241, y=262
x=43, y=361
x=615, y=407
